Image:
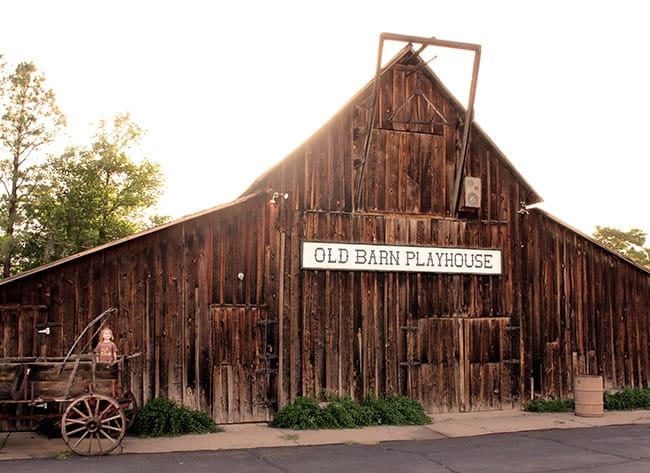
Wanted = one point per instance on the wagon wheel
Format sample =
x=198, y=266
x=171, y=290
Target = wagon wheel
x=129, y=405
x=93, y=424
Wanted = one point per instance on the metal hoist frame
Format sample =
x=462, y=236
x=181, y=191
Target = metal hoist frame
x=469, y=112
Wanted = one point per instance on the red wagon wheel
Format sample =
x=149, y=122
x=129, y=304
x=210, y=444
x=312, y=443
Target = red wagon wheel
x=93, y=424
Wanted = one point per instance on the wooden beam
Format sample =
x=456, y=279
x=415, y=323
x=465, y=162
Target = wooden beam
x=23, y=307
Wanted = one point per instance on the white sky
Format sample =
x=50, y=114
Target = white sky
x=227, y=89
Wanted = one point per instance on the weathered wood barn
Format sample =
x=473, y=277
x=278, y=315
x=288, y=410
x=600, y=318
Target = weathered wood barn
x=394, y=251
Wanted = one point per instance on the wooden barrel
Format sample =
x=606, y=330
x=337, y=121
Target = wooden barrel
x=589, y=395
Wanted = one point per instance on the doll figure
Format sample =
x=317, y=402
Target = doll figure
x=106, y=350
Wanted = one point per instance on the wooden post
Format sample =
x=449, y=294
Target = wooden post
x=197, y=350
x=279, y=389
x=462, y=369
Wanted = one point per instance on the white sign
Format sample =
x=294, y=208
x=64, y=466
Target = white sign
x=421, y=259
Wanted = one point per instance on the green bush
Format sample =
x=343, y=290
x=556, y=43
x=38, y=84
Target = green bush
x=550, y=405
x=627, y=399
x=343, y=413
x=302, y=414
x=162, y=417
x=399, y=410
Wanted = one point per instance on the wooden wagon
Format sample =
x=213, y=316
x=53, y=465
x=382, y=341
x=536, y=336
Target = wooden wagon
x=85, y=396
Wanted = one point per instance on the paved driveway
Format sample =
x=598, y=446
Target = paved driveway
x=620, y=449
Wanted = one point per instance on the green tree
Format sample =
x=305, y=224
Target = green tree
x=29, y=120
x=630, y=244
x=90, y=196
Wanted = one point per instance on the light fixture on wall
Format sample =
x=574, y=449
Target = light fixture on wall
x=523, y=208
x=276, y=196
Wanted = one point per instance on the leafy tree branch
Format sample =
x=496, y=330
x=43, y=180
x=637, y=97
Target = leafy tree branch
x=630, y=244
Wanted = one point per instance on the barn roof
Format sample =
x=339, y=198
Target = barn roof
x=126, y=239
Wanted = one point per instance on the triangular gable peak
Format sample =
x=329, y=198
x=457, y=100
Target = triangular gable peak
x=406, y=159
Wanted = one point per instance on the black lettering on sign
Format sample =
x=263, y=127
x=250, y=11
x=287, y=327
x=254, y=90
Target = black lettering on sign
x=319, y=254
x=410, y=256
x=361, y=256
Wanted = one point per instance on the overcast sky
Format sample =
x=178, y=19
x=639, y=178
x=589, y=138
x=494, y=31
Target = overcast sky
x=227, y=89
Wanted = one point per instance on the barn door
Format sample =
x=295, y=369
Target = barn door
x=433, y=348
x=460, y=364
x=487, y=363
x=244, y=369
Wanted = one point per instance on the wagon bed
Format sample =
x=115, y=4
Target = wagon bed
x=53, y=379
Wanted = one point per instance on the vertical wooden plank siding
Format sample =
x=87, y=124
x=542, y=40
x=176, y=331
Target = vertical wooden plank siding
x=595, y=301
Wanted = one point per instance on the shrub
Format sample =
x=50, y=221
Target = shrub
x=163, y=417
x=400, y=410
x=550, y=405
x=340, y=414
x=302, y=414
x=343, y=412
x=627, y=399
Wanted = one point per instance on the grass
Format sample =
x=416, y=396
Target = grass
x=63, y=455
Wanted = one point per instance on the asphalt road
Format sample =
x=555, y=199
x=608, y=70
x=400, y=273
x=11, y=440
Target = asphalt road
x=620, y=449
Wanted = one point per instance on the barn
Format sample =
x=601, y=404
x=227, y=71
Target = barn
x=394, y=251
